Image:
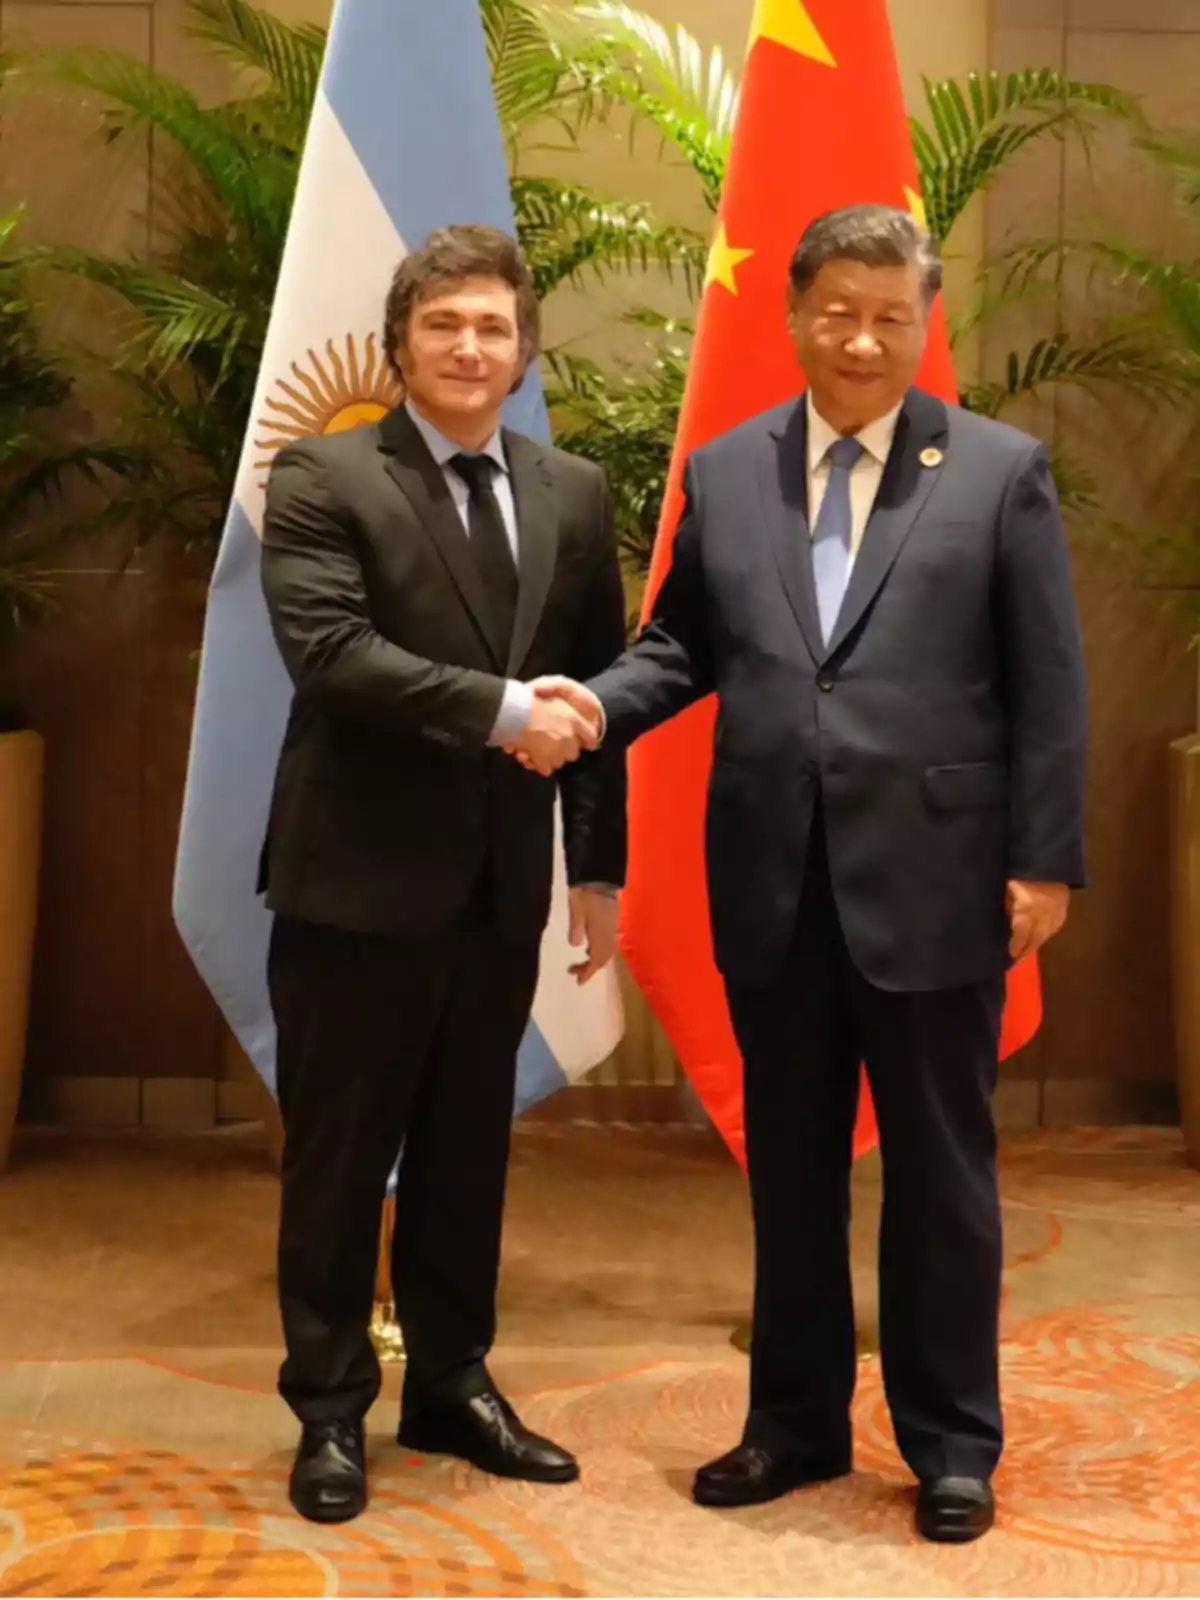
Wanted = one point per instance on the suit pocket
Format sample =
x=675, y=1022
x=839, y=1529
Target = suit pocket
x=966, y=784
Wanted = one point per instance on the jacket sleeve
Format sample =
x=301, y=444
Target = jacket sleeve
x=313, y=581
x=669, y=666
x=1041, y=662
x=593, y=788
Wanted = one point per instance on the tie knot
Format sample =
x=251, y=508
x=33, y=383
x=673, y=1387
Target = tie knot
x=475, y=471
x=844, y=453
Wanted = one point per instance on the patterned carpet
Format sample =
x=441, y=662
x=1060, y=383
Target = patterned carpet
x=143, y=1450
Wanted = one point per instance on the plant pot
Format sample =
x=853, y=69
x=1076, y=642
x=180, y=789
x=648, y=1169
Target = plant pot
x=21, y=765
x=1185, y=932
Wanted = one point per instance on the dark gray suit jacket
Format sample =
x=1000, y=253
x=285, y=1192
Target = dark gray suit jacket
x=944, y=725
x=387, y=801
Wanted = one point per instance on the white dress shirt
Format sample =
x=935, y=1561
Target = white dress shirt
x=865, y=476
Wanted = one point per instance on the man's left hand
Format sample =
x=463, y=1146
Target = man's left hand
x=1036, y=912
x=594, y=919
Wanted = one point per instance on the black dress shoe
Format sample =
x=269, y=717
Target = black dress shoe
x=329, y=1476
x=954, y=1510
x=486, y=1431
x=751, y=1475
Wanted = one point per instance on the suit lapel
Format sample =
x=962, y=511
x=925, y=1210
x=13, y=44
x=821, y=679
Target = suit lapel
x=537, y=540
x=420, y=478
x=903, y=491
x=783, y=474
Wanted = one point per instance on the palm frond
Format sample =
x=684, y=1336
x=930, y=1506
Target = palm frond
x=994, y=295
x=35, y=468
x=1133, y=365
x=1174, y=286
x=27, y=592
x=1078, y=489
x=1180, y=154
x=49, y=473
x=974, y=132
x=528, y=78
x=665, y=77
x=9, y=223
x=288, y=54
x=565, y=229
x=224, y=150
x=1168, y=288
x=624, y=418
x=174, y=317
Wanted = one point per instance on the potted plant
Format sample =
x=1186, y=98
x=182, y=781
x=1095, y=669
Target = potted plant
x=1168, y=289
x=1150, y=304
x=34, y=468
x=30, y=387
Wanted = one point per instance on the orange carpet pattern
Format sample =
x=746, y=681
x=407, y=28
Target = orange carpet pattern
x=143, y=1450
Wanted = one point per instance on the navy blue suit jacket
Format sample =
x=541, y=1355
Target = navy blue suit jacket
x=944, y=723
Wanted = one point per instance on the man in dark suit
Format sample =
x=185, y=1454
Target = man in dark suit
x=417, y=574
x=876, y=587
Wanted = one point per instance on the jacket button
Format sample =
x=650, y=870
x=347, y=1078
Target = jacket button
x=824, y=682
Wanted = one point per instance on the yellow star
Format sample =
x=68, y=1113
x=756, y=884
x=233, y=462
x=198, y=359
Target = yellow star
x=788, y=23
x=917, y=206
x=723, y=261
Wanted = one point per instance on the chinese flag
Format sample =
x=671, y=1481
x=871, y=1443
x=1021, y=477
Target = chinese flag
x=821, y=124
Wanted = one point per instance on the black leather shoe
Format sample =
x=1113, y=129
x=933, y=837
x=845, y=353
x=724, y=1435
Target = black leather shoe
x=750, y=1475
x=954, y=1510
x=329, y=1476
x=486, y=1431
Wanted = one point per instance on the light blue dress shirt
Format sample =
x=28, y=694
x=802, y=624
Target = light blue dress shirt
x=518, y=697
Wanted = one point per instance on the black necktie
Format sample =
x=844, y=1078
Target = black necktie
x=489, y=541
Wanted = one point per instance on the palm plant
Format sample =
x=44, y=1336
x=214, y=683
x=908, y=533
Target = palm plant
x=624, y=417
x=620, y=56
x=196, y=314
x=35, y=464
x=30, y=387
x=566, y=227
x=1158, y=294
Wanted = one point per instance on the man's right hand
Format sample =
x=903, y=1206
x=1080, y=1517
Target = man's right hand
x=554, y=735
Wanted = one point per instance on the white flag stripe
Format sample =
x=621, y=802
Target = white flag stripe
x=339, y=291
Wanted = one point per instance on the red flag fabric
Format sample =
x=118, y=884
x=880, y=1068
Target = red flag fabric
x=821, y=124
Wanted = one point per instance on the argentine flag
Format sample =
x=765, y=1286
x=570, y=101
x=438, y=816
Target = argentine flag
x=404, y=138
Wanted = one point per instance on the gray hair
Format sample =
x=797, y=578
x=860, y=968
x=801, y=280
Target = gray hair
x=876, y=236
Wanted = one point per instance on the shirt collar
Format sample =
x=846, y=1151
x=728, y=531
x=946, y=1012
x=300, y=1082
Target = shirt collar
x=876, y=438
x=443, y=450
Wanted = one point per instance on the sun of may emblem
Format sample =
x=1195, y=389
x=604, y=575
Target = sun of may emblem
x=328, y=396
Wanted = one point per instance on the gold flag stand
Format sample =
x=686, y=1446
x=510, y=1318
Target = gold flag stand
x=385, y=1330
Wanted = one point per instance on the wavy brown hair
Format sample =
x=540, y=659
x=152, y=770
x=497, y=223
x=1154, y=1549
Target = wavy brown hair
x=451, y=257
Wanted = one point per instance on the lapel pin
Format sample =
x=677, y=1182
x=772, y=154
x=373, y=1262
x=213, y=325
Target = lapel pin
x=931, y=457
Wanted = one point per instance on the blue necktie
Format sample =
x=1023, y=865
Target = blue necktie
x=831, y=536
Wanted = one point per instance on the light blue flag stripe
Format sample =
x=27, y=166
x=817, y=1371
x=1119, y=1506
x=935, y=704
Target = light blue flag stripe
x=370, y=65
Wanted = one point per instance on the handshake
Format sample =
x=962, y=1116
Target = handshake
x=564, y=719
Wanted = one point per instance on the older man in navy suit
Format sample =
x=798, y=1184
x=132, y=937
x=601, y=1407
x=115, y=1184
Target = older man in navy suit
x=876, y=587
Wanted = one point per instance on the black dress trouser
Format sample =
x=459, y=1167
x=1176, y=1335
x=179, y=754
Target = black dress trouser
x=386, y=1041
x=931, y=1062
